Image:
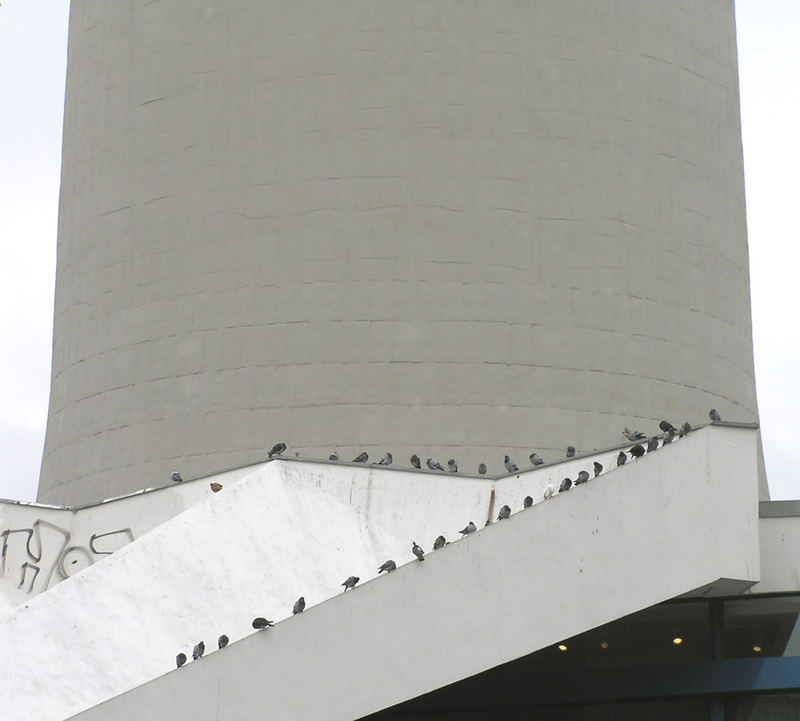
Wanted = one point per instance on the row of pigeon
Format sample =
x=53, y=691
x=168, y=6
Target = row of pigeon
x=536, y=460
x=669, y=434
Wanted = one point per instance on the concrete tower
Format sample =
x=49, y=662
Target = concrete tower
x=460, y=229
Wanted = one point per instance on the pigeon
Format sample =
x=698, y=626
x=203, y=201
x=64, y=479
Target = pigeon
x=361, y=458
x=350, y=582
x=598, y=468
x=216, y=487
x=570, y=451
x=714, y=415
x=387, y=566
x=686, y=429
x=666, y=426
x=222, y=641
x=198, y=651
x=527, y=502
x=505, y=512
x=548, y=491
x=452, y=466
x=180, y=659
x=440, y=542
x=417, y=551
x=260, y=623
x=277, y=449
x=536, y=459
x=583, y=476
x=669, y=437
x=637, y=451
x=511, y=467
x=299, y=606
x=297, y=454
x=434, y=465
x=415, y=461
x=482, y=469
x=652, y=444
x=469, y=528
x=566, y=484
x=386, y=460
x=333, y=456
x=175, y=477
x=633, y=435
x=621, y=458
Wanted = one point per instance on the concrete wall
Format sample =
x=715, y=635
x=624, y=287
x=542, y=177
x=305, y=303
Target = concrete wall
x=682, y=518
x=780, y=565
x=632, y=538
x=452, y=228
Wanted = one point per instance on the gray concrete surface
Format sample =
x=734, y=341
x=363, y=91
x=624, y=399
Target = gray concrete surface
x=453, y=228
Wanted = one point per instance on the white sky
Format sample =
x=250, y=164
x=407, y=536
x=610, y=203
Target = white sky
x=33, y=41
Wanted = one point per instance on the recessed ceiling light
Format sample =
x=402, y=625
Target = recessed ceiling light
x=562, y=647
x=604, y=644
x=757, y=649
x=677, y=640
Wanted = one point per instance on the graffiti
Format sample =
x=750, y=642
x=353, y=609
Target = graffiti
x=38, y=553
x=126, y=532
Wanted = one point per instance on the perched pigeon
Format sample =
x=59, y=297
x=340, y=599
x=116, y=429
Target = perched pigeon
x=387, y=566
x=637, y=451
x=216, y=487
x=549, y=491
x=505, y=512
x=536, y=459
x=361, y=458
x=198, y=651
x=482, y=469
x=666, y=426
x=434, y=465
x=527, y=502
x=570, y=451
x=175, y=477
x=333, y=456
x=686, y=429
x=469, y=528
x=511, y=467
x=440, y=542
x=669, y=436
x=417, y=551
x=652, y=444
x=180, y=659
x=260, y=623
x=277, y=449
x=598, y=468
x=222, y=641
x=583, y=476
x=632, y=435
x=452, y=466
x=415, y=461
x=299, y=606
x=566, y=484
x=714, y=415
x=350, y=582
x=386, y=460
x=622, y=458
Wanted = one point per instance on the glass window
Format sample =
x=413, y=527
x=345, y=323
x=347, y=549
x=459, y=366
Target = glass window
x=762, y=627
x=766, y=707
